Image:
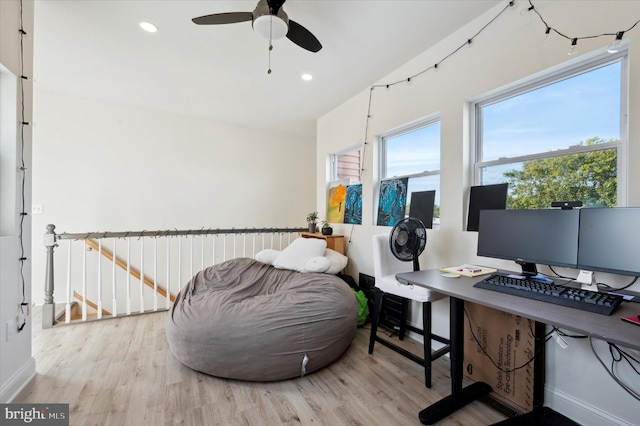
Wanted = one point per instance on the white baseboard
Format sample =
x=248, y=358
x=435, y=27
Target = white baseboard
x=580, y=411
x=18, y=381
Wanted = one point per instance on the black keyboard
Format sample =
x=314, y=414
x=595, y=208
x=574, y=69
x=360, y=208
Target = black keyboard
x=601, y=303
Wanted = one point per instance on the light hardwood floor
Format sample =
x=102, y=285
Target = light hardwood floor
x=121, y=372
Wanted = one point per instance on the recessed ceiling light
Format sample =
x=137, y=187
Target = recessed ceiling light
x=148, y=27
x=306, y=77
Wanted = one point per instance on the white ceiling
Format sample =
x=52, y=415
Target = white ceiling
x=95, y=49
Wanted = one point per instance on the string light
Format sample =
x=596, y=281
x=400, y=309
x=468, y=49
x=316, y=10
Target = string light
x=574, y=47
x=613, y=47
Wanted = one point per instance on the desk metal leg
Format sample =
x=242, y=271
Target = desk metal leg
x=459, y=396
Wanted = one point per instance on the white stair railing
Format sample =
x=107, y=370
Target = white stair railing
x=85, y=275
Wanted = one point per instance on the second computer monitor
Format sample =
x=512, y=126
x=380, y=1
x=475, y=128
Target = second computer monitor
x=530, y=237
x=610, y=240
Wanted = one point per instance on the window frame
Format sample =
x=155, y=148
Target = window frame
x=564, y=71
x=426, y=122
x=382, y=157
x=333, y=162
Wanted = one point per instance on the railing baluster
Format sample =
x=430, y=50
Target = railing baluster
x=213, y=250
x=128, y=276
x=191, y=256
x=114, y=302
x=155, y=274
x=67, y=309
x=224, y=248
x=168, y=298
x=100, y=279
x=201, y=252
x=179, y=264
x=141, y=274
x=84, y=282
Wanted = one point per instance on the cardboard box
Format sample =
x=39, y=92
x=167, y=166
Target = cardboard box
x=510, y=341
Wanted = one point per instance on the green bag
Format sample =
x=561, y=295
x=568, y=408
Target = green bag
x=363, y=308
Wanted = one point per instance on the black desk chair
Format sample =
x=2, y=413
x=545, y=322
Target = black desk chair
x=386, y=265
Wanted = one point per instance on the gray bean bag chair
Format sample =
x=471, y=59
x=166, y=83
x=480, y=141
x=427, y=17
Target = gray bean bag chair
x=243, y=319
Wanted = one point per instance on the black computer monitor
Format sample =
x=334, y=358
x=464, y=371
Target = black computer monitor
x=610, y=240
x=422, y=206
x=530, y=237
x=485, y=197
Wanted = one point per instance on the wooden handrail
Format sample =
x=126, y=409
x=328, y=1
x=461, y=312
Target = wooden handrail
x=91, y=304
x=106, y=253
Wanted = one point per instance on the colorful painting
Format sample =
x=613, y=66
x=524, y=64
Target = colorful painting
x=353, y=205
x=392, y=202
x=336, y=204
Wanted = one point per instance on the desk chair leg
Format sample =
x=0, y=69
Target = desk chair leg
x=403, y=318
x=426, y=333
x=375, y=317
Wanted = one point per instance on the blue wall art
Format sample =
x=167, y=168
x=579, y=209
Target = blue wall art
x=393, y=201
x=353, y=205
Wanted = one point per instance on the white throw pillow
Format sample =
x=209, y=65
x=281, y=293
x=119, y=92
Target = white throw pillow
x=317, y=264
x=338, y=261
x=296, y=254
x=267, y=256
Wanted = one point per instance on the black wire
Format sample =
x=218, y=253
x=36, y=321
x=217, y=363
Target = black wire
x=609, y=288
x=504, y=370
x=23, y=213
x=549, y=28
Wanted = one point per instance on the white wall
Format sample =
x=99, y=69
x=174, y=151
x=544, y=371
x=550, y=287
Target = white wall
x=107, y=167
x=510, y=49
x=17, y=365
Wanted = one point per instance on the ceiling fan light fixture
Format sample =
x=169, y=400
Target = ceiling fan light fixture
x=270, y=27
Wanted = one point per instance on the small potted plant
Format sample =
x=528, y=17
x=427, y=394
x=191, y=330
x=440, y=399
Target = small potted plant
x=326, y=228
x=312, y=219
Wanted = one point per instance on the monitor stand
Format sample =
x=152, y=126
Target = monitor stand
x=586, y=279
x=528, y=269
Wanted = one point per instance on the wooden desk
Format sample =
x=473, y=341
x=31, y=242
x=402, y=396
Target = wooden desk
x=334, y=242
x=604, y=327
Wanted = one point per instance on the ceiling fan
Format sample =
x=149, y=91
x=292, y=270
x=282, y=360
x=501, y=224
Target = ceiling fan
x=270, y=21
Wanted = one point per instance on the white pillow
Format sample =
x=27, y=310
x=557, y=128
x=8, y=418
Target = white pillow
x=296, y=254
x=317, y=264
x=338, y=261
x=267, y=256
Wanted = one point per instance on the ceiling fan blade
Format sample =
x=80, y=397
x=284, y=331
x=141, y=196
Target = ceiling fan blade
x=303, y=37
x=223, y=18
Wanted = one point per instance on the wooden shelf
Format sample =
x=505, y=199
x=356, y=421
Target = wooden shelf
x=334, y=242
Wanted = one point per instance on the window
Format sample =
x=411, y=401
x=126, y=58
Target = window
x=346, y=164
x=414, y=152
x=560, y=138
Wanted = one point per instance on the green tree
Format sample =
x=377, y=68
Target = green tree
x=588, y=177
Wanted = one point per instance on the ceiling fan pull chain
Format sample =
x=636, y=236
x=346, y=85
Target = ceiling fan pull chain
x=270, y=43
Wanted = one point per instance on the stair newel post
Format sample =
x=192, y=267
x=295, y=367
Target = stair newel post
x=48, y=309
